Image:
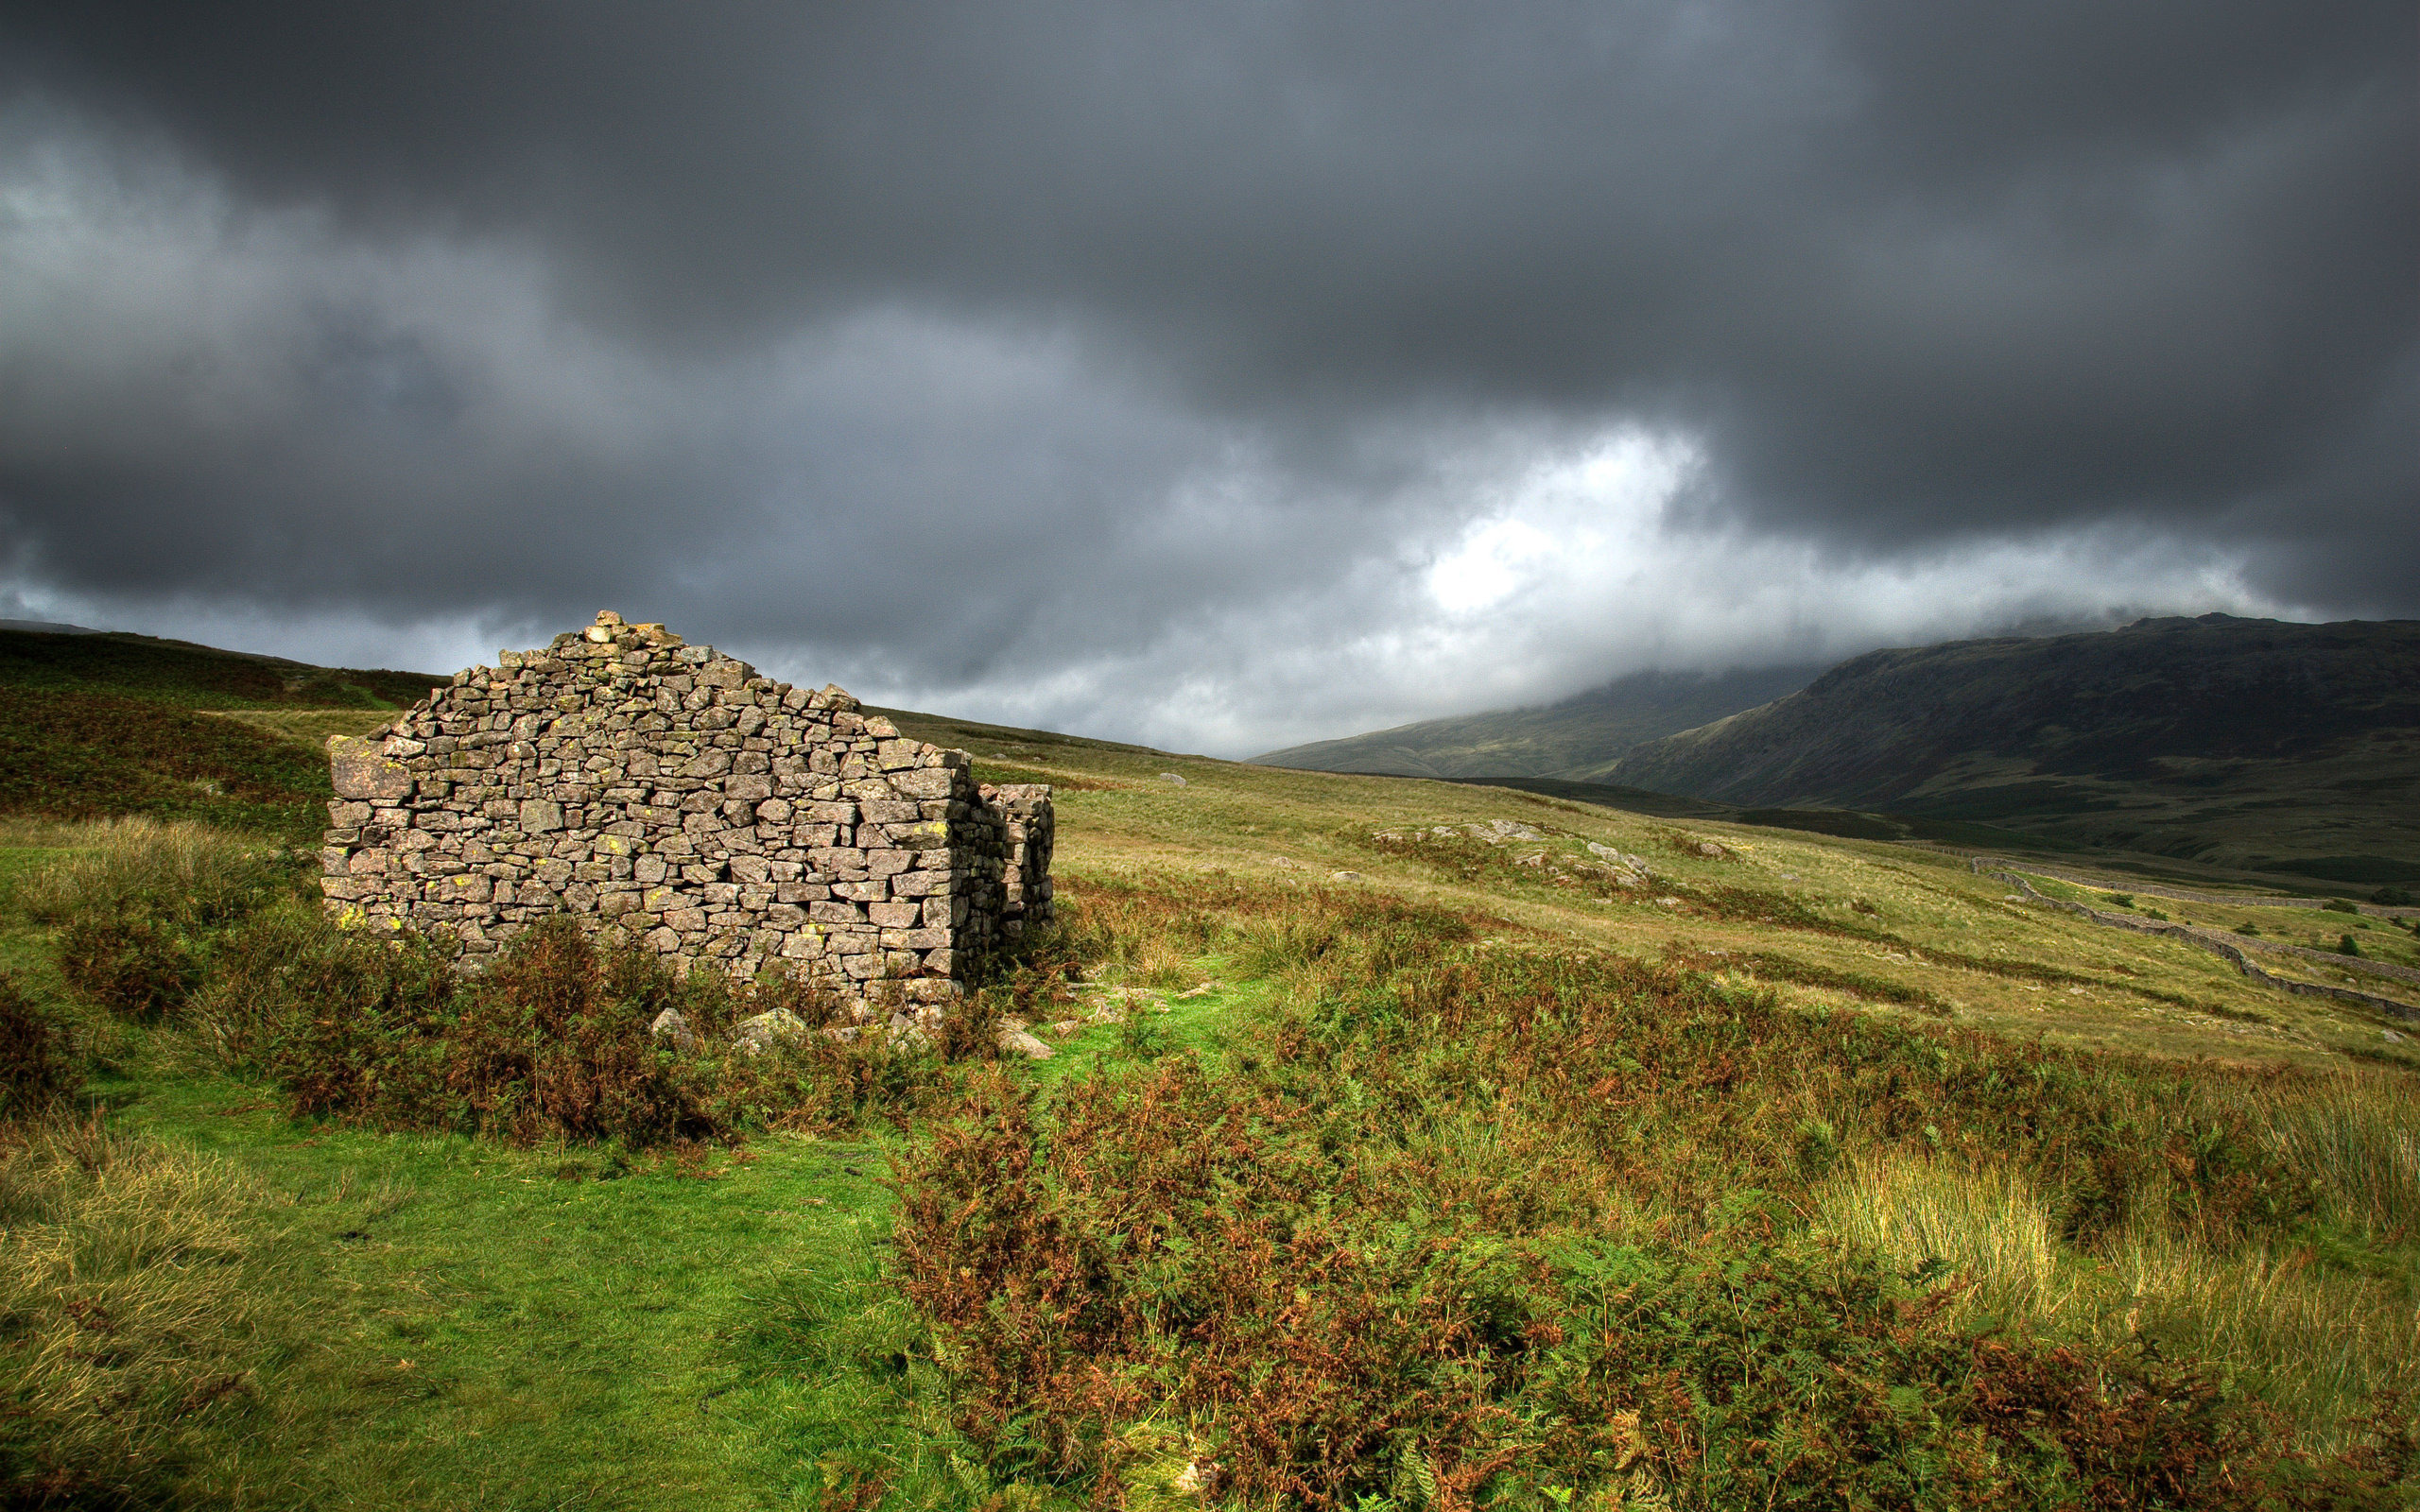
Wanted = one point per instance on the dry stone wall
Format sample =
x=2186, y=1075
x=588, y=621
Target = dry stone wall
x=2234, y=956
x=666, y=790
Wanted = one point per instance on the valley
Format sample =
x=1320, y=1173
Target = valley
x=1485, y=1027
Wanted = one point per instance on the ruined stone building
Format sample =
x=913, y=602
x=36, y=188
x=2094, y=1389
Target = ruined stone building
x=642, y=785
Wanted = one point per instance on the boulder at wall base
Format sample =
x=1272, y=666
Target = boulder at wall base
x=671, y=1026
x=766, y=1029
x=1024, y=1042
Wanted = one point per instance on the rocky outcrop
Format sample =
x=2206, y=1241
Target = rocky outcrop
x=668, y=792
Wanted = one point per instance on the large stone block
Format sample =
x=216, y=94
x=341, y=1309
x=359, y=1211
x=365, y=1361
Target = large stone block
x=360, y=770
x=924, y=782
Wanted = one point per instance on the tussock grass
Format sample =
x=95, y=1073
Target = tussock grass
x=175, y=871
x=2322, y=1346
x=2356, y=1135
x=39, y=1065
x=2320, y=1343
x=131, y=1311
x=1989, y=1227
x=28, y=830
x=139, y=901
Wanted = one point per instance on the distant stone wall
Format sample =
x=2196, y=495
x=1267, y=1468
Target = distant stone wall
x=2234, y=956
x=668, y=791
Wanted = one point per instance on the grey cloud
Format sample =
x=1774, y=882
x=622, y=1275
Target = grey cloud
x=1207, y=308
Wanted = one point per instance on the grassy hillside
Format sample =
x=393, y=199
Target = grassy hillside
x=1791, y=898
x=1577, y=739
x=2249, y=746
x=1406, y=1145
x=93, y=725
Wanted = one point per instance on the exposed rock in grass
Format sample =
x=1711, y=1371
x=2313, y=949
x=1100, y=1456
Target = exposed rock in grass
x=671, y=1026
x=1022, y=1041
x=761, y=1031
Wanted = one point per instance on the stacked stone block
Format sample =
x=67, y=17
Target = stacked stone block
x=665, y=790
x=1025, y=807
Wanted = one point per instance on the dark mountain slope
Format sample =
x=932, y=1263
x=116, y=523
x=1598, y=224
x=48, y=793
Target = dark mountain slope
x=195, y=677
x=93, y=725
x=2253, y=744
x=1577, y=739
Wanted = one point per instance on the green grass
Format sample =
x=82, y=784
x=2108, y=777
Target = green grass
x=460, y=1323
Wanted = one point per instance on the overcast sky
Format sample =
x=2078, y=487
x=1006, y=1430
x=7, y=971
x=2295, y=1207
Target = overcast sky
x=1216, y=376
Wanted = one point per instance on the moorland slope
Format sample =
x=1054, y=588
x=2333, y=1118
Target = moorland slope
x=99, y=724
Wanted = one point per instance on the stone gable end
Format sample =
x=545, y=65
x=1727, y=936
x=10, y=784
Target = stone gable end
x=651, y=786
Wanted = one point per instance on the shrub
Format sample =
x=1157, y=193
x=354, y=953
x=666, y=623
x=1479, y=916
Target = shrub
x=345, y=1021
x=1477, y=1222
x=128, y=965
x=2348, y=945
x=1342, y=1319
x=2123, y=899
x=554, y=1042
x=37, y=1070
x=2247, y=927
x=542, y=1045
x=2340, y=905
x=972, y=1031
x=2393, y=897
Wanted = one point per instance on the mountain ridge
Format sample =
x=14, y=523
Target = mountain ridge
x=1574, y=739
x=2262, y=745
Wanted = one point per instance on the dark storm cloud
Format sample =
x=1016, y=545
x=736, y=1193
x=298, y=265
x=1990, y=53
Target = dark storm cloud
x=1906, y=274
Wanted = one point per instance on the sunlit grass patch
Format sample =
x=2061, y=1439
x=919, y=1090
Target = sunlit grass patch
x=2323, y=1343
x=177, y=871
x=1988, y=1227
x=310, y=728
x=134, y=1311
x=2354, y=1135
